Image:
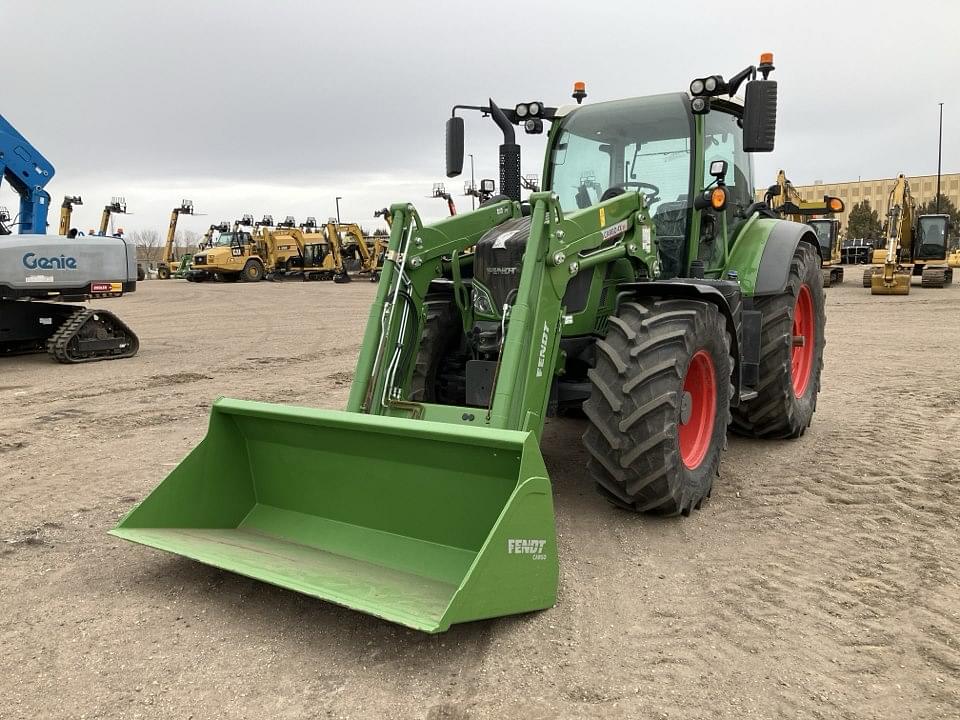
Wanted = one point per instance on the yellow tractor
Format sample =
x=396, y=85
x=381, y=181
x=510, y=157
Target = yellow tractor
x=787, y=201
x=914, y=246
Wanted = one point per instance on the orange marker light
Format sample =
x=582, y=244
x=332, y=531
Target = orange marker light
x=579, y=86
x=836, y=204
x=766, y=58
x=718, y=198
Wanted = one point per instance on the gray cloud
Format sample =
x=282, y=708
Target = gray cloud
x=279, y=106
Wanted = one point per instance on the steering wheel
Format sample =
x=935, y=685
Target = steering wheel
x=652, y=197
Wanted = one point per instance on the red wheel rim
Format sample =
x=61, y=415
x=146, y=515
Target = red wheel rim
x=699, y=409
x=804, y=338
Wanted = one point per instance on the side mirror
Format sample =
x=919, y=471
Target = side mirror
x=454, y=146
x=760, y=116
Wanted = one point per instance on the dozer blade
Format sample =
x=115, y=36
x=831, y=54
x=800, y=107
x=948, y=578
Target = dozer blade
x=422, y=523
x=899, y=286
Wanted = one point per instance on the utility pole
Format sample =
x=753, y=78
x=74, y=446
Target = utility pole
x=339, y=198
x=939, y=157
x=473, y=185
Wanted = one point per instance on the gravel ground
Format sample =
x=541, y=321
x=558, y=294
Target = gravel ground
x=821, y=579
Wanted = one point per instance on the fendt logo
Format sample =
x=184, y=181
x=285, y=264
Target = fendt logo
x=32, y=261
x=527, y=547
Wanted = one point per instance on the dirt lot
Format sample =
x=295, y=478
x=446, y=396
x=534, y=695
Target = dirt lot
x=821, y=580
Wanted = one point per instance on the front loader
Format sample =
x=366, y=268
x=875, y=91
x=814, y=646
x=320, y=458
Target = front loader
x=663, y=304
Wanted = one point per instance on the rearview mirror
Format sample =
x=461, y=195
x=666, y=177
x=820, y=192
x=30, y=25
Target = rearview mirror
x=454, y=146
x=760, y=116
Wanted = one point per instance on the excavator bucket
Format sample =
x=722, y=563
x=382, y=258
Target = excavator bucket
x=899, y=284
x=421, y=523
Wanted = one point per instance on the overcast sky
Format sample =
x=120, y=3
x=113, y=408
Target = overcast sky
x=278, y=107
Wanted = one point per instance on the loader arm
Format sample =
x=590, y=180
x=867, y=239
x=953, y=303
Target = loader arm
x=559, y=247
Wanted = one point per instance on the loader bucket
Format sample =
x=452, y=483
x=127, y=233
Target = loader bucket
x=899, y=284
x=421, y=523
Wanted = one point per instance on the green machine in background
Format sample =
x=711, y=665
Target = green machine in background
x=642, y=287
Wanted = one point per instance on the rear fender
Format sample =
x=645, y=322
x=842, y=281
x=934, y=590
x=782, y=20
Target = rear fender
x=762, y=253
x=704, y=291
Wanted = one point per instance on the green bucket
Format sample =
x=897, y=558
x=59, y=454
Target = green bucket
x=421, y=523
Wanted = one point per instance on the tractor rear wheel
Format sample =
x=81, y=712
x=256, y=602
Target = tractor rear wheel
x=660, y=405
x=438, y=375
x=791, y=354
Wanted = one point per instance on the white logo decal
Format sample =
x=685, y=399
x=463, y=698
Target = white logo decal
x=620, y=227
x=39, y=278
x=501, y=242
x=527, y=547
x=542, y=357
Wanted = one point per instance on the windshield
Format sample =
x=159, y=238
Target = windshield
x=227, y=238
x=932, y=237
x=623, y=143
x=824, y=230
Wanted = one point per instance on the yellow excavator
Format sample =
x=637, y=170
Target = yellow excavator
x=66, y=212
x=784, y=198
x=352, y=246
x=165, y=269
x=914, y=246
x=290, y=250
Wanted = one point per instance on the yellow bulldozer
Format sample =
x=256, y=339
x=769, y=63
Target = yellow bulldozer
x=786, y=200
x=914, y=246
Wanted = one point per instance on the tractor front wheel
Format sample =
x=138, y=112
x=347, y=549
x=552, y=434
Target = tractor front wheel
x=163, y=272
x=660, y=405
x=791, y=354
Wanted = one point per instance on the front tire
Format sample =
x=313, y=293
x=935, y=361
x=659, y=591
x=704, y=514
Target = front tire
x=253, y=271
x=791, y=354
x=163, y=272
x=660, y=405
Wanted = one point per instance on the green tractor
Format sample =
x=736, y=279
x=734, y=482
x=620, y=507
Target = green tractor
x=642, y=288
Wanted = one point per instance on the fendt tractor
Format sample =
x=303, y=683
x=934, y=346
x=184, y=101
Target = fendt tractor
x=41, y=274
x=660, y=300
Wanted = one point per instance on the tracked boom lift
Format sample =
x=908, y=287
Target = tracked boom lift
x=40, y=273
x=914, y=246
x=788, y=202
x=169, y=266
x=664, y=308
x=66, y=212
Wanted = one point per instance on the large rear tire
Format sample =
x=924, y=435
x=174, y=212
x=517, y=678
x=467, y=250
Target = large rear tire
x=660, y=405
x=792, y=339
